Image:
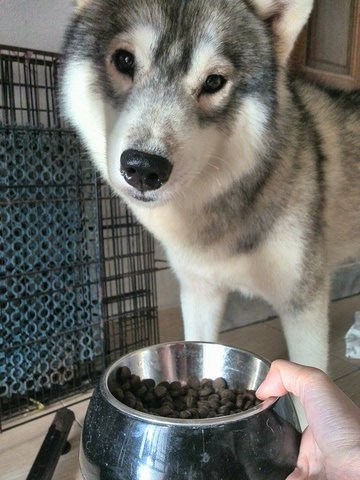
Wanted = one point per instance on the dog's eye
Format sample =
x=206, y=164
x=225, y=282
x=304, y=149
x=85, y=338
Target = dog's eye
x=213, y=84
x=124, y=62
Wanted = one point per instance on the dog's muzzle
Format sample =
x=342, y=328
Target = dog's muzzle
x=144, y=171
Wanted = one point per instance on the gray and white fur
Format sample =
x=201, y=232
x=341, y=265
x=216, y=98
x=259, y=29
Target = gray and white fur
x=263, y=195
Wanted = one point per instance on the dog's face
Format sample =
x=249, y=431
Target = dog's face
x=167, y=94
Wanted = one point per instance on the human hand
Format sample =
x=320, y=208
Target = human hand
x=330, y=445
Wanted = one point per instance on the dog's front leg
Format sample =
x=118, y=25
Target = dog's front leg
x=202, y=307
x=306, y=329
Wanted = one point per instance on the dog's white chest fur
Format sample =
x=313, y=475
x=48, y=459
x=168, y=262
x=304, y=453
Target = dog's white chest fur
x=266, y=272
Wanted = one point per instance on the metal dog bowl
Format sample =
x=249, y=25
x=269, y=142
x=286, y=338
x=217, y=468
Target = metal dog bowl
x=119, y=443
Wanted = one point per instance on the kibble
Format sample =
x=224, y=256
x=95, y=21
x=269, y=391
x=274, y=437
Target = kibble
x=129, y=399
x=141, y=391
x=198, y=398
x=219, y=383
x=160, y=391
x=206, y=391
x=190, y=401
x=149, y=383
x=193, y=383
x=118, y=393
x=124, y=373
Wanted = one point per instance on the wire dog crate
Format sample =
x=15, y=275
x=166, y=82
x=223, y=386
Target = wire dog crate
x=28, y=87
x=77, y=272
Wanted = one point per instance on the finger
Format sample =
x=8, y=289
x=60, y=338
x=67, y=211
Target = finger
x=285, y=377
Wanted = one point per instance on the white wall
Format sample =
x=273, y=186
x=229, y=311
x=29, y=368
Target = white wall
x=40, y=25
x=37, y=24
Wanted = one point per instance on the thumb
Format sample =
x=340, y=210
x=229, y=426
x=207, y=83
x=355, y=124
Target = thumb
x=286, y=377
x=327, y=408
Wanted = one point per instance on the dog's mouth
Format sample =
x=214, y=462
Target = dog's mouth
x=142, y=193
x=142, y=197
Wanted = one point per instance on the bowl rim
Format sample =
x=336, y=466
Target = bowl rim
x=179, y=422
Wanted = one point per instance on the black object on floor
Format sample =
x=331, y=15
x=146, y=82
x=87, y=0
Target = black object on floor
x=54, y=444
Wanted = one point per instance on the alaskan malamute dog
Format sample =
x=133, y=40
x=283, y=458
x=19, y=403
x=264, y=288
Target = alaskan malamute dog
x=249, y=179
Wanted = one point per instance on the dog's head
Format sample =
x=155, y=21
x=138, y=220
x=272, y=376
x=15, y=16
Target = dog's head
x=174, y=95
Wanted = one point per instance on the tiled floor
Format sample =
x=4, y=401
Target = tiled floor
x=18, y=447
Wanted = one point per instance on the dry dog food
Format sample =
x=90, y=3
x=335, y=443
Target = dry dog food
x=196, y=399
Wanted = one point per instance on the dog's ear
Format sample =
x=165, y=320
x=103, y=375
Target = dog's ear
x=287, y=18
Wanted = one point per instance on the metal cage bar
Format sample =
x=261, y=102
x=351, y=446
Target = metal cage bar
x=77, y=272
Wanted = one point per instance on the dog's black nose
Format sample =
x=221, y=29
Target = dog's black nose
x=145, y=171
